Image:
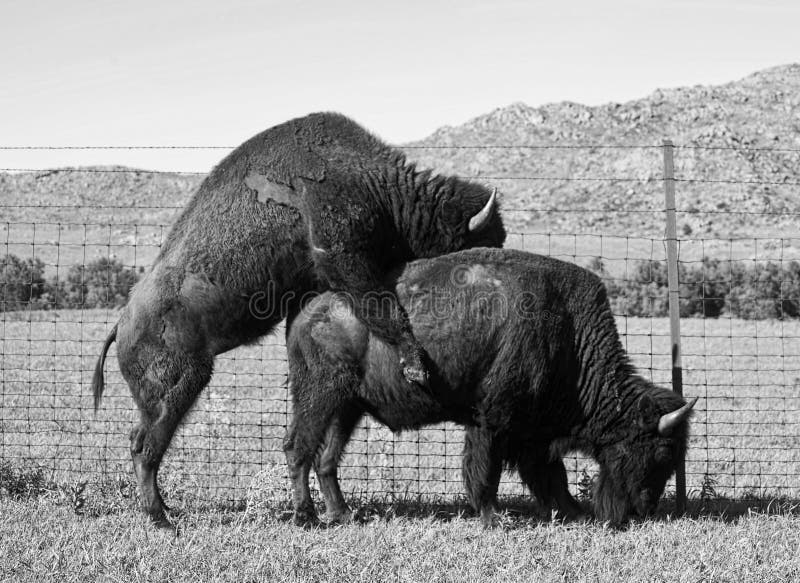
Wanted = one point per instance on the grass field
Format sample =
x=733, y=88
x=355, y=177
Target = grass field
x=45, y=540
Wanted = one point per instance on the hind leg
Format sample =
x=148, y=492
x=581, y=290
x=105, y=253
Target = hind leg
x=319, y=388
x=304, y=439
x=304, y=512
x=327, y=464
x=482, y=468
x=166, y=391
x=547, y=480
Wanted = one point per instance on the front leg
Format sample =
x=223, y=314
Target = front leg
x=482, y=468
x=357, y=275
x=547, y=480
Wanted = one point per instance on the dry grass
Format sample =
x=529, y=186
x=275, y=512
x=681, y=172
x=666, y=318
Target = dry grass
x=46, y=541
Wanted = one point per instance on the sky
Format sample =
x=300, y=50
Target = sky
x=201, y=73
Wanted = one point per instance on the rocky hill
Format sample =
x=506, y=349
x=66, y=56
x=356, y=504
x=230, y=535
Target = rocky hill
x=564, y=167
x=737, y=160
x=95, y=195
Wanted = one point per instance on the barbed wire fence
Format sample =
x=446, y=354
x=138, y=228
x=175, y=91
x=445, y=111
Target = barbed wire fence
x=739, y=298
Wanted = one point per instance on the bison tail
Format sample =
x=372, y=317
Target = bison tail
x=98, y=383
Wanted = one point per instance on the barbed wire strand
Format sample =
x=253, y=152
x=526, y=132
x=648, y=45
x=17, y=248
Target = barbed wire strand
x=417, y=146
x=647, y=179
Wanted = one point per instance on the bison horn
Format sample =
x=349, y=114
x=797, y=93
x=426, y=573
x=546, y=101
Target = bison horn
x=480, y=220
x=314, y=248
x=668, y=422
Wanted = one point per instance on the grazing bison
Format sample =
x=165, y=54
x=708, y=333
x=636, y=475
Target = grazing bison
x=238, y=260
x=524, y=352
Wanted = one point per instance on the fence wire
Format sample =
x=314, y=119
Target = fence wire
x=740, y=302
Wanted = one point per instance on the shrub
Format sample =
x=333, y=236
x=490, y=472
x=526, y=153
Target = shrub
x=20, y=482
x=705, y=286
x=765, y=291
x=709, y=288
x=21, y=283
x=644, y=293
x=102, y=283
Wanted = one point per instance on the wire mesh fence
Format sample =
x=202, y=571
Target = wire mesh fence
x=739, y=299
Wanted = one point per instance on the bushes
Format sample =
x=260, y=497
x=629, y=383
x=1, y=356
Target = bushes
x=645, y=294
x=710, y=288
x=22, y=283
x=101, y=283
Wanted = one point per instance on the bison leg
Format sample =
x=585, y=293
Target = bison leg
x=375, y=305
x=547, y=480
x=304, y=512
x=162, y=406
x=319, y=393
x=482, y=468
x=327, y=464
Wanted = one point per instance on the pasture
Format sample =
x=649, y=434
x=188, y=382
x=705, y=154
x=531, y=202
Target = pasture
x=69, y=505
x=44, y=540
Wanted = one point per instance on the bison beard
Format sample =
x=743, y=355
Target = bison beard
x=525, y=354
x=314, y=203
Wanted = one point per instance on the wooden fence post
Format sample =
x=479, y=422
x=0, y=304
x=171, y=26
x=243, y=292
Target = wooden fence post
x=674, y=305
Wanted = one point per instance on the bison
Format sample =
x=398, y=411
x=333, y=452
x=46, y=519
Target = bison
x=524, y=353
x=239, y=259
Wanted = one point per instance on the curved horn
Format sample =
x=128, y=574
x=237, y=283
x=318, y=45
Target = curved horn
x=311, y=244
x=481, y=219
x=668, y=422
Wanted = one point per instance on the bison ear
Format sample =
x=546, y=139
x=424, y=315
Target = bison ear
x=648, y=413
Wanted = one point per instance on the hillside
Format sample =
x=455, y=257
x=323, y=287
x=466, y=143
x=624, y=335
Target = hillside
x=720, y=129
x=539, y=159
x=95, y=195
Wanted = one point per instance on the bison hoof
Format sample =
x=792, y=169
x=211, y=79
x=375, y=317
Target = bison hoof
x=339, y=517
x=414, y=373
x=163, y=523
x=490, y=518
x=581, y=518
x=569, y=517
x=305, y=519
x=491, y=521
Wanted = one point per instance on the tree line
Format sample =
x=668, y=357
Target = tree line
x=708, y=288
x=100, y=283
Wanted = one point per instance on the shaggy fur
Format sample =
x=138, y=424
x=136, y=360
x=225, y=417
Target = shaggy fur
x=239, y=259
x=525, y=353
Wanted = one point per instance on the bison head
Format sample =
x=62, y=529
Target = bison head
x=470, y=218
x=635, y=469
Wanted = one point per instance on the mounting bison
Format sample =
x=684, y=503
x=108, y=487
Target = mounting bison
x=239, y=259
x=524, y=352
